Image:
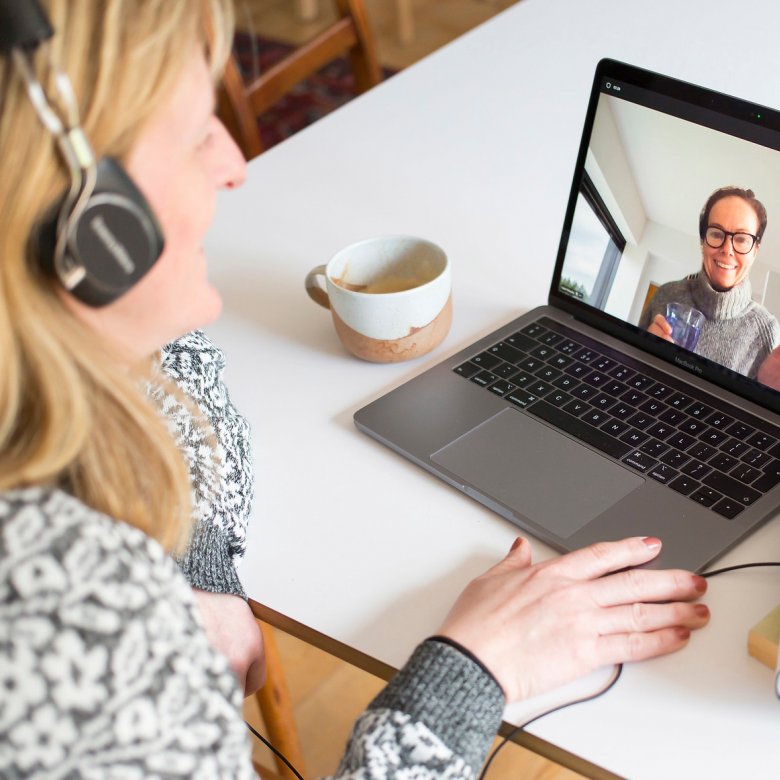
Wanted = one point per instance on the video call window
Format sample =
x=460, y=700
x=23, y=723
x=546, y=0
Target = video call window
x=636, y=222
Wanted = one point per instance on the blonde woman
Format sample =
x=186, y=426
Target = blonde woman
x=104, y=666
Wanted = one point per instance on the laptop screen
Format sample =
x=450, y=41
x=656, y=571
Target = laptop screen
x=672, y=233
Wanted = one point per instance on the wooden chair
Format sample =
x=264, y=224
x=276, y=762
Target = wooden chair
x=275, y=705
x=240, y=103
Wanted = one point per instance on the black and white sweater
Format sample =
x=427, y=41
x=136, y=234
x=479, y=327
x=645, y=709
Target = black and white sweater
x=105, y=671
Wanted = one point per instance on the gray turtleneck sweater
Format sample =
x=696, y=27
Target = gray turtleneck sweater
x=738, y=332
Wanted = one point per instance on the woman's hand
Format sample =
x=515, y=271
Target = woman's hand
x=769, y=372
x=232, y=630
x=537, y=627
x=660, y=327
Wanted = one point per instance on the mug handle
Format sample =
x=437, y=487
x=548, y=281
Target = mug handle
x=315, y=289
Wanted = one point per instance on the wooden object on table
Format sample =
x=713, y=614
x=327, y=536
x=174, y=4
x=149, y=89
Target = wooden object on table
x=763, y=638
x=241, y=103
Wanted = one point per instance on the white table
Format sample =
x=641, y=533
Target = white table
x=473, y=148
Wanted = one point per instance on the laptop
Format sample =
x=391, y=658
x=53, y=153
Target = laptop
x=576, y=422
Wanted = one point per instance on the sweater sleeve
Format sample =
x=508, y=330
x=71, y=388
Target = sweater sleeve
x=435, y=719
x=217, y=447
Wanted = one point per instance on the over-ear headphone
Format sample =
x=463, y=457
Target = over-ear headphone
x=103, y=236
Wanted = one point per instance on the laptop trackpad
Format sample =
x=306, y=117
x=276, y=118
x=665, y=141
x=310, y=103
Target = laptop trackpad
x=537, y=472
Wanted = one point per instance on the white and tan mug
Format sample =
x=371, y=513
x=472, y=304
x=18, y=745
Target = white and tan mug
x=389, y=297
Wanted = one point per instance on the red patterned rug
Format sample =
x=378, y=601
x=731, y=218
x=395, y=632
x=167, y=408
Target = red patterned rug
x=310, y=100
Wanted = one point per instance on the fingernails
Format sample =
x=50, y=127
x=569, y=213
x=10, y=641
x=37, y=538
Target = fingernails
x=517, y=542
x=683, y=634
x=652, y=542
x=701, y=610
x=699, y=583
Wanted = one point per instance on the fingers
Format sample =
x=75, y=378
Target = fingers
x=646, y=585
x=643, y=618
x=623, y=648
x=605, y=557
x=660, y=327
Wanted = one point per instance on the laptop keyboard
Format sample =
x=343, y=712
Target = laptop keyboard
x=714, y=453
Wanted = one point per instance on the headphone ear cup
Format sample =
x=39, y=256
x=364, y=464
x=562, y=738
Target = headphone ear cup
x=116, y=239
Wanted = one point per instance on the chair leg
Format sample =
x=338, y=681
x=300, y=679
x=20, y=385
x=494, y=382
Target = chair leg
x=363, y=57
x=404, y=21
x=276, y=708
x=306, y=10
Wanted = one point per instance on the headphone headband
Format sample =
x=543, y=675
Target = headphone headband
x=23, y=25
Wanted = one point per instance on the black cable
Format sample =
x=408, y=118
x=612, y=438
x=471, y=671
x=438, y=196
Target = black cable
x=275, y=751
x=618, y=670
x=618, y=667
x=739, y=566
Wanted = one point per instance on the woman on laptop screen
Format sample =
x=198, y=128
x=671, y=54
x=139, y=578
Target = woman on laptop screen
x=712, y=312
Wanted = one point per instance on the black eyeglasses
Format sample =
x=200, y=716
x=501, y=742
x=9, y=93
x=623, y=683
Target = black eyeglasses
x=742, y=242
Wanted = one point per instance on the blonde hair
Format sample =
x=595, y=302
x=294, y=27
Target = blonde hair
x=70, y=414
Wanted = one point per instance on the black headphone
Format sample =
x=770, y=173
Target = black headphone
x=103, y=236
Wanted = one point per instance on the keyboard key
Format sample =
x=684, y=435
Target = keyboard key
x=692, y=426
x=521, y=378
x=639, y=461
x=740, y=430
x=550, y=338
x=756, y=458
x=705, y=496
x=723, y=462
x=580, y=430
x=654, y=448
x=502, y=387
x=558, y=398
x=651, y=406
x=684, y=484
x=560, y=361
x=701, y=451
x=734, y=447
x=542, y=352
x=507, y=352
x=595, y=417
x=576, y=407
x=603, y=364
x=699, y=410
x=535, y=330
x=486, y=360
x=529, y=363
x=633, y=397
x=662, y=473
x=761, y=441
x=566, y=382
x=680, y=440
x=659, y=391
x=584, y=392
x=640, y=382
x=696, y=469
x=614, y=427
x=484, y=378
x=766, y=481
x=602, y=401
x=539, y=388
x=578, y=370
x=505, y=370
x=467, y=369
x=673, y=417
x=521, y=342
x=621, y=410
x=745, y=473
x=633, y=437
x=587, y=355
x=614, y=388
x=597, y=378
x=674, y=458
x=719, y=420
x=661, y=430
x=731, y=488
x=679, y=401
x=728, y=508
x=569, y=347
x=622, y=373
x=521, y=398
x=641, y=420
x=713, y=437
x=548, y=373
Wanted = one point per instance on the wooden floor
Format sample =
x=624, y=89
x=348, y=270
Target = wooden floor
x=327, y=693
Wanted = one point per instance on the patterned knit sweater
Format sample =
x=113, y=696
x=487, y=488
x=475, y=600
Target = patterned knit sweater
x=105, y=671
x=738, y=332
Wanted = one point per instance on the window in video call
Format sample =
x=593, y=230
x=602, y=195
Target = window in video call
x=635, y=228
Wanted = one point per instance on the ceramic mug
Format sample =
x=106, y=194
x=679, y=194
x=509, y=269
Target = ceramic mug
x=389, y=297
